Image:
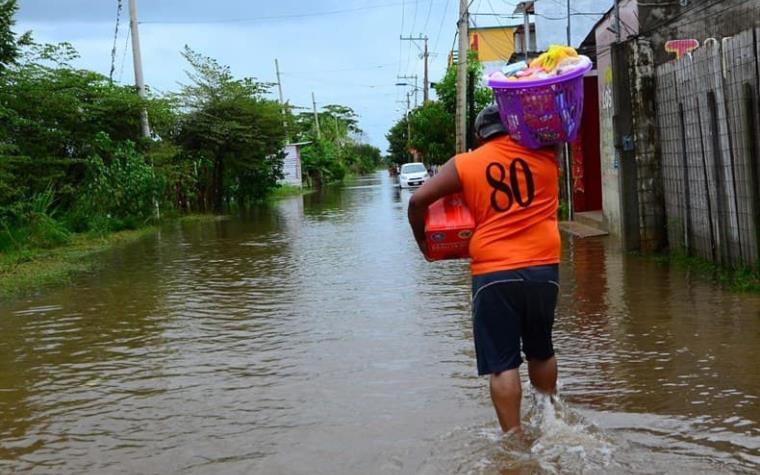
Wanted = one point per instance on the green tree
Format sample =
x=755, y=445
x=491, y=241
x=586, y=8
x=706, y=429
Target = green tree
x=446, y=89
x=230, y=127
x=320, y=161
x=52, y=120
x=398, y=142
x=433, y=133
x=361, y=158
x=8, y=46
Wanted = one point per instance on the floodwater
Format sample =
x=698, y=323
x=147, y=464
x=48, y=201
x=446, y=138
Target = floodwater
x=312, y=338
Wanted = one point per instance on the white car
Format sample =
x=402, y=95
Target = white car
x=412, y=174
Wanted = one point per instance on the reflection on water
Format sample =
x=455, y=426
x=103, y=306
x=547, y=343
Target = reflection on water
x=311, y=337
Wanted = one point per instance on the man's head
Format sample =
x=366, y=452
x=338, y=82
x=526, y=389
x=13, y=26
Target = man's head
x=488, y=124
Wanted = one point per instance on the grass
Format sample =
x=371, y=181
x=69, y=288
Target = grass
x=28, y=270
x=743, y=279
x=286, y=191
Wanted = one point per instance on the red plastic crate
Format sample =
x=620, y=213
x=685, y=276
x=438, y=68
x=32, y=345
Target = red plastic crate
x=448, y=228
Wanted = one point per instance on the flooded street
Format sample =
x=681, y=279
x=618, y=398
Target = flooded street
x=312, y=337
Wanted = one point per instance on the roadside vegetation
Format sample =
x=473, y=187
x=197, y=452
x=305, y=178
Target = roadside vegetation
x=744, y=279
x=75, y=168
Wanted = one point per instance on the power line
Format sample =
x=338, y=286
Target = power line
x=411, y=31
x=427, y=20
x=440, y=28
x=400, y=44
x=340, y=70
x=282, y=17
x=124, y=54
x=493, y=10
x=115, y=39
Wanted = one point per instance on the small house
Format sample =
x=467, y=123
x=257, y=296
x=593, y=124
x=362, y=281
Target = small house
x=291, y=164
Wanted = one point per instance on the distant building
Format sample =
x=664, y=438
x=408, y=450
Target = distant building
x=520, y=47
x=494, y=45
x=291, y=164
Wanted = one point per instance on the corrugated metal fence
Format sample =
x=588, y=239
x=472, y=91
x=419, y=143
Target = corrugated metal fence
x=707, y=115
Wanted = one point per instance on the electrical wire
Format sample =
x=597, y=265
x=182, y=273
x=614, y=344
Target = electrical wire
x=400, y=43
x=411, y=33
x=282, y=17
x=124, y=54
x=115, y=39
x=360, y=68
x=440, y=27
x=493, y=10
x=427, y=20
x=485, y=39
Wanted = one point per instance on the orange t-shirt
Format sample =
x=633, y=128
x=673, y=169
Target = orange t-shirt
x=512, y=192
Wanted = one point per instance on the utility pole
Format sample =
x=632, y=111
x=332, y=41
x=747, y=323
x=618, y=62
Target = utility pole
x=568, y=163
x=425, y=56
x=140, y=83
x=279, y=81
x=316, y=116
x=425, y=78
x=569, y=33
x=461, y=112
x=526, y=23
x=282, y=101
x=416, y=89
x=617, y=22
x=409, y=126
x=137, y=59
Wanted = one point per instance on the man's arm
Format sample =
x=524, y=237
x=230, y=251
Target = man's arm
x=444, y=183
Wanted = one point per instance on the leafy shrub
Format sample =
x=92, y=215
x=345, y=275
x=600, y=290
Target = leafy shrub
x=121, y=187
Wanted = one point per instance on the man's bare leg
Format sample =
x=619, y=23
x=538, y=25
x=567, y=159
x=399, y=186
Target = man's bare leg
x=506, y=394
x=543, y=375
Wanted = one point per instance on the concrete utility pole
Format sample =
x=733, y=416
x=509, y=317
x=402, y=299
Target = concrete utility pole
x=140, y=83
x=416, y=89
x=526, y=23
x=425, y=78
x=279, y=81
x=461, y=113
x=408, y=126
x=569, y=33
x=568, y=163
x=618, y=33
x=282, y=100
x=137, y=59
x=425, y=56
x=316, y=116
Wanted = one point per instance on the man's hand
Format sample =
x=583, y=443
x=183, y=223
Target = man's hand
x=443, y=184
x=423, y=249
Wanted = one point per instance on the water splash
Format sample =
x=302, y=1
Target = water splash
x=560, y=438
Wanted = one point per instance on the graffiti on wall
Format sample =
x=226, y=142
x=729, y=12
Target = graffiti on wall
x=606, y=121
x=681, y=47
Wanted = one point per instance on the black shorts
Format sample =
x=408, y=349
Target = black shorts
x=510, y=307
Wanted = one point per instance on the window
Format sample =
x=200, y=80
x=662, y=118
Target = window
x=413, y=168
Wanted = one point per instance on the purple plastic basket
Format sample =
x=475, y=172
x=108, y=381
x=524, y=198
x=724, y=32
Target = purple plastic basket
x=544, y=112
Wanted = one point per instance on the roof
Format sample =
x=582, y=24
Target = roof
x=525, y=7
x=504, y=27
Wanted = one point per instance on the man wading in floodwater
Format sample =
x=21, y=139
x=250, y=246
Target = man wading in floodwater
x=515, y=250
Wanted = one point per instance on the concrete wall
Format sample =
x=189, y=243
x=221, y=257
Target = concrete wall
x=650, y=217
x=493, y=43
x=664, y=20
x=609, y=155
x=291, y=166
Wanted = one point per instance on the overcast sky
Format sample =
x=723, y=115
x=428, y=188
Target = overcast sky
x=345, y=51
